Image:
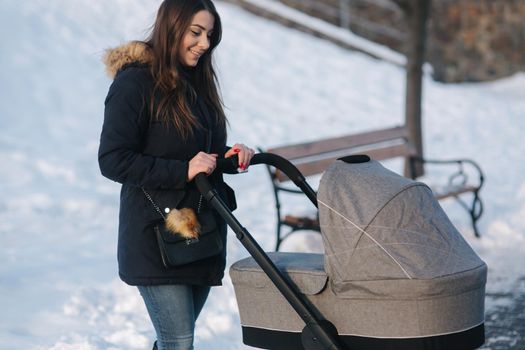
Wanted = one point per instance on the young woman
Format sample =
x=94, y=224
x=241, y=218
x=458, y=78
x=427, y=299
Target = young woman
x=163, y=124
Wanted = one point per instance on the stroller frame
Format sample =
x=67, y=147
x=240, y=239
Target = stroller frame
x=318, y=333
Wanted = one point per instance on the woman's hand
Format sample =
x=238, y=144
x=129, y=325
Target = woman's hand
x=244, y=152
x=201, y=163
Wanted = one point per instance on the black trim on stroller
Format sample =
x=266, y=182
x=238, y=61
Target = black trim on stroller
x=283, y=340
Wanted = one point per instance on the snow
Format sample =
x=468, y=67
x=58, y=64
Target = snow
x=59, y=287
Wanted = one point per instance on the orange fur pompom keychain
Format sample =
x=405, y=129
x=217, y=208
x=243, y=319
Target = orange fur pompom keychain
x=184, y=222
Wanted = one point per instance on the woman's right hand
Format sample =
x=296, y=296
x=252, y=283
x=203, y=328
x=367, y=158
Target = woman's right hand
x=201, y=163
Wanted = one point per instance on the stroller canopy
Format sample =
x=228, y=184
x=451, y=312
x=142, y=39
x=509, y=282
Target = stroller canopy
x=386, y=236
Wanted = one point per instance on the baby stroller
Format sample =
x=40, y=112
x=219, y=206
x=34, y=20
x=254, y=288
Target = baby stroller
x=395, y=274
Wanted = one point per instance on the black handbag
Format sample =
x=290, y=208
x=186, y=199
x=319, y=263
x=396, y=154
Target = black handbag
x=176, y=250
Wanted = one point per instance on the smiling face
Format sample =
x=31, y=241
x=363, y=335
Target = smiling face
x=196, y=40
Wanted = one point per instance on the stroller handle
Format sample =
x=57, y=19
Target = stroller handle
x=229, y=166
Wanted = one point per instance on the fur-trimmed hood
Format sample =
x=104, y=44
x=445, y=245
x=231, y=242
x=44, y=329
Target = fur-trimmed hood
x=116, y=58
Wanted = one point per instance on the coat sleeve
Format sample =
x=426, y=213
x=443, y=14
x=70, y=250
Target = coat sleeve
x=120, y=154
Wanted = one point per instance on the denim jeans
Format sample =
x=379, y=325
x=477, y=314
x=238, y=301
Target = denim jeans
x=173, y=310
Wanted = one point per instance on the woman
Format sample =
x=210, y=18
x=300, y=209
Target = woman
x=163, y=124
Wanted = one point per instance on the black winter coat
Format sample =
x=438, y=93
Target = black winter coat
x=139, y=152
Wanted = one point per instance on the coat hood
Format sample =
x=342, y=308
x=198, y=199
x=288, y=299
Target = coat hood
x=116, y=58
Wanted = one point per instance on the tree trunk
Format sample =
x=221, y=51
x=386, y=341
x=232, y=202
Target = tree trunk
x=416, y=19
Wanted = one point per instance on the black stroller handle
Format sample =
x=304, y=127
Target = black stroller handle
x=229, y=166
x=318, y=333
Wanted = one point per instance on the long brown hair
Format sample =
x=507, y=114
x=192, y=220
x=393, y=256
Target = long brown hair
x=176, y=87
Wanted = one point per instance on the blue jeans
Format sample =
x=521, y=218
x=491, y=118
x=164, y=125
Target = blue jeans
x=173, y=310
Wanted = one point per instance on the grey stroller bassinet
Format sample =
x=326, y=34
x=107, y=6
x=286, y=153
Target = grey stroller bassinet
x=396, y=274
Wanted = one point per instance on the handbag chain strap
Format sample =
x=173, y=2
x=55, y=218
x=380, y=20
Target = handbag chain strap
x=153, y=203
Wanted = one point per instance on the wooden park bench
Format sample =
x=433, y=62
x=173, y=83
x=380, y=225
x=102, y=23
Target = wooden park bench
x=313, y=158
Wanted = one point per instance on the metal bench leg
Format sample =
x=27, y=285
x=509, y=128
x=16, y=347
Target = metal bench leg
x=475, y=211
x=279, y=239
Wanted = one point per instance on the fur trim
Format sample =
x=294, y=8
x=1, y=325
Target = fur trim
x=183, y=222
x=135, y=51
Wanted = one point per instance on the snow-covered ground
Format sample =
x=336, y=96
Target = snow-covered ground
x=58, y=216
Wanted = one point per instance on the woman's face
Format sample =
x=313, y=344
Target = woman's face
x=196, y=40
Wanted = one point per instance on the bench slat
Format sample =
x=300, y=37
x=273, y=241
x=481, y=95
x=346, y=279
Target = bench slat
x=313, y=167
x=303, y=222
x=308, y=149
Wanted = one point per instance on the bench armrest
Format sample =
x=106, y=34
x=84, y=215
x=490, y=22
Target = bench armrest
x=461, y=176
